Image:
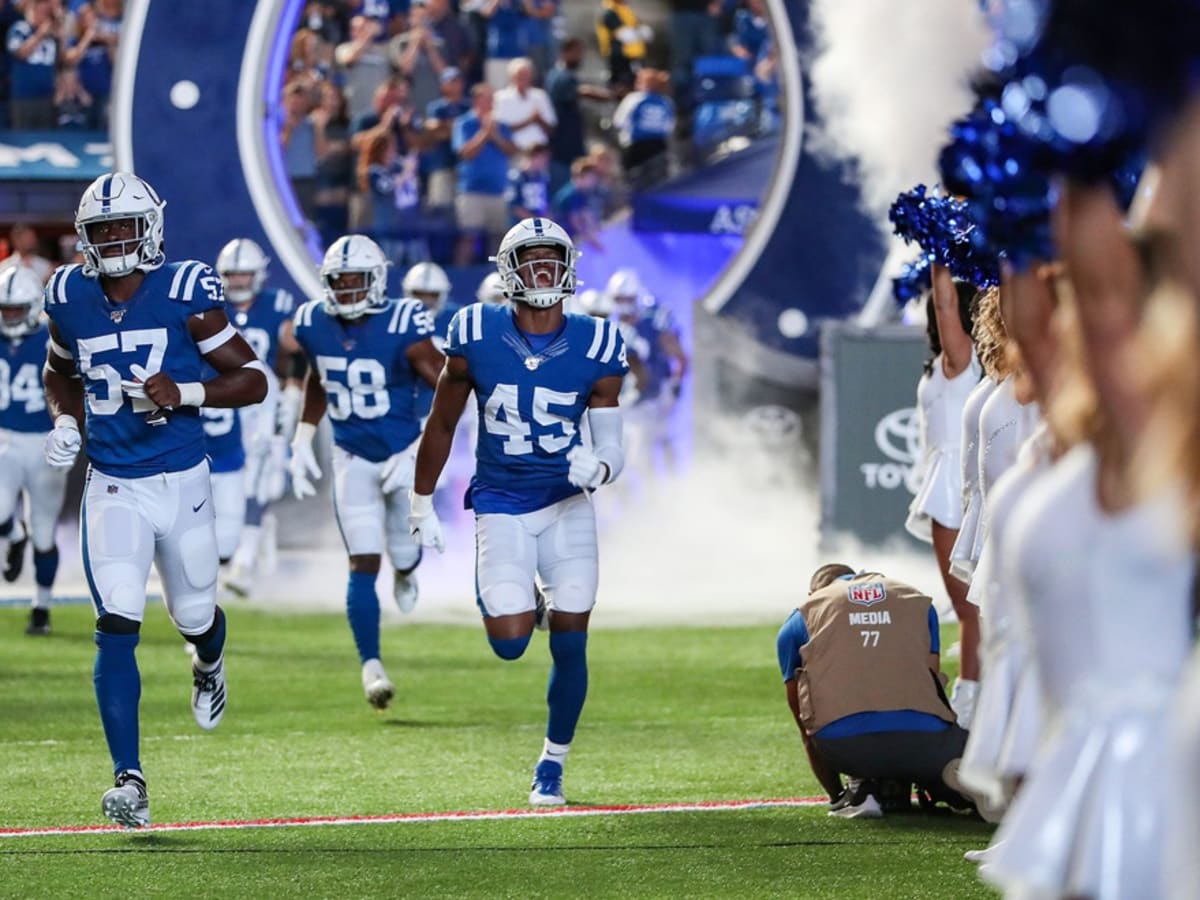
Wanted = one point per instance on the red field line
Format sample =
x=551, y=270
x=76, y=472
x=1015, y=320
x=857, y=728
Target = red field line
x=405, y=818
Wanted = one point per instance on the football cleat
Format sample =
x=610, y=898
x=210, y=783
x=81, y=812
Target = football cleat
x=128, y=803
x=15, y=560
x=404, y=591
x=240, y=581
x=208, y=693
x=858, y=801
x=376, y=685
x=39, y=621
x=546, y=789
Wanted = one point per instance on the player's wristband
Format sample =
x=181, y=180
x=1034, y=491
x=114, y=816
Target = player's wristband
x=420, y=505
x=305, y=432
x=191, y=393
x=66, y=421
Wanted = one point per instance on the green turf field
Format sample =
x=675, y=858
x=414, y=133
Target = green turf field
x=673, y=716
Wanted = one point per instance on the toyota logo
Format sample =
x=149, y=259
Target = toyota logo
x=898, y=436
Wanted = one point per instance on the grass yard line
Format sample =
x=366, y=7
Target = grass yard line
x=405, y=818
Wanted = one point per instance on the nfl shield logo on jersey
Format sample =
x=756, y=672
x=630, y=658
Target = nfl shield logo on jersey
x=117, y=315
x=867, y=594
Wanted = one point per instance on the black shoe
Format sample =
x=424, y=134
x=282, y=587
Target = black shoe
x=16, y=557
x=857, y=801
x=39, y=621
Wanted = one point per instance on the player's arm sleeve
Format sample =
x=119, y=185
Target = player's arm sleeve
x=792, y=636
x=935, y=634
x=613, y=352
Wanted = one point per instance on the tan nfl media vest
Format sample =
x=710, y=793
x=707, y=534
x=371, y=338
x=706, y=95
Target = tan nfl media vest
x=868, y=651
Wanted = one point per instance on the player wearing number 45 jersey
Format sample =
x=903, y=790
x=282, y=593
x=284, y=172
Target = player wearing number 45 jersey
x=130, y=334
x=366, y=356
x=535, y=371
x=23, y=426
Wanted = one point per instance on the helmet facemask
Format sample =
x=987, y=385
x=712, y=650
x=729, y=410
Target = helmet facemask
x=133, y=250
x=350, y=294
x=537, y=277
x=18, y=319
x=241, y=287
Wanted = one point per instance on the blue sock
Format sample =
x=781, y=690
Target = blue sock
x=568, y=684
x=45, y=566
x=118, y=691
x=509, y=648
x=210, y=644
x=254, y=512
x=362, y=609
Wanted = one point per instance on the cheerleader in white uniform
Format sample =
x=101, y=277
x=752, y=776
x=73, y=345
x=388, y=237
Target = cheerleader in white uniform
x=969, y=542
x=936, y=510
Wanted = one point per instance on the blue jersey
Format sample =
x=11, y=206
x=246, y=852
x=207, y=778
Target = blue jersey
x=149, y=330
x=363, y=366
x=222, y=435
x=260, y=320
x=532, y=391
x=645, y=340
x=22, y=401
x=441, y=324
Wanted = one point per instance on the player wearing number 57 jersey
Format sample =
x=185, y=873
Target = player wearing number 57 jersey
x=366, y=356
x=129, y=336
x=535, y=371
x=23, y=426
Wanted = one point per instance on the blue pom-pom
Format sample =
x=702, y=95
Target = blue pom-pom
x=913, y=281
x=946, y=232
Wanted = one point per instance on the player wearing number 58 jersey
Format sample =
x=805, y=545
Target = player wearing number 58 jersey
x=23, y=426
x=366, y=355
x=535, y=371
x=130, y=334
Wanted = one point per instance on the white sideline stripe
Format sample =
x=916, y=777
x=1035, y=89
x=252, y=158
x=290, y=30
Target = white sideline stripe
x=416, y=818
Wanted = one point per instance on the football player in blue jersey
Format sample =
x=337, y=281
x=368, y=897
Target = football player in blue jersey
x=227, y=469
x=264, y=318
x=366, y=355
x=535, y=371
x=491, y=290
x=130, y=334
x=24, y=424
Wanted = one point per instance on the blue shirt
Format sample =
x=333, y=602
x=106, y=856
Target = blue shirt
x=259, y=321
x=568, y=200
x=528, y=190
x=645, y=341
x=363, y=366
x=222, y=435
x=441, y=325
x=794, y=635
x=33, y=76
x=148, y=330
x=531, y=395
x=487, y=173
x=751, y=32
x=22, y=400
x=506, y=31
x=441, y=155
x=653, y=118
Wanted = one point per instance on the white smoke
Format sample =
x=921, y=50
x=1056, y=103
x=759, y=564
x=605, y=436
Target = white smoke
x=887, y=80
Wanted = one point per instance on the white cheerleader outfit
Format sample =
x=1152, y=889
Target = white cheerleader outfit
x=940, y=402
x=1110, y=598
x=969, y=543
x=1182, y=877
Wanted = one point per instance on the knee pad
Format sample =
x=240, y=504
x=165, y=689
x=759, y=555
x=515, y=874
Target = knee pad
x=509, y=648
x=110, y=624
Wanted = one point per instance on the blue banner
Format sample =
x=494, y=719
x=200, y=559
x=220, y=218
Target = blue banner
x=54, y=155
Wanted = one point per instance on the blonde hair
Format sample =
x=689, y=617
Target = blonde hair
x=991, y=337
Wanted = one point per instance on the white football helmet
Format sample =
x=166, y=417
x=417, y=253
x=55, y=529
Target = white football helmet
x=121, y=195
x=427, y=282
x=624, y=291
x=491, y=289
x=242, y=266
x=21, y=301
x=539, y=283
x=348, y=255
x=596, y=303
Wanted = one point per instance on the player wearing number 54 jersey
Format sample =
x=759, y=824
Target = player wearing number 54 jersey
x=535, y=371
x=129, y=336
x=366, y=356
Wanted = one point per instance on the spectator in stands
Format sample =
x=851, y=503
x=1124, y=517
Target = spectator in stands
x=565, y=91
x=393, y=111
x=483, y=145
x=438, y=158
x=310, y=55
x=73, y=105
x=573, y=204
x=299, y=140
x=860, y=664
x=457, y=46
x=24, y=245
x=525, y=109
x=610, y=194
x=389, y=14
x=94, y=51
x=335, y=164
x=694, y=33
x=539, y=33
x=750, y=32
x=33, y=49
x=505, y=38
x=622, y=42
x=529, y=185
x=390, y=179
x=418, y=55
x=644, y=121
x=362, y=64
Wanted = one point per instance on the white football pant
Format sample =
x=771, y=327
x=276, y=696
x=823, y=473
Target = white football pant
x=23, y=466
x=367, y=518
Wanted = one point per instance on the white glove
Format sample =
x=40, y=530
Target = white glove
x=303, y=467
x=272, y=477
x=63, y=443
x=423, y=521
x=400, y=469
x=587, y=471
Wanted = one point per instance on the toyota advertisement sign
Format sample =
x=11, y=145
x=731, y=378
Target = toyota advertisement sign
x=870, y=443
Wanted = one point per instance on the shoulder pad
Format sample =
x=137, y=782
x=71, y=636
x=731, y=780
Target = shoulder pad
x=604, y=341
x=304, y=315
x=192, y=280
x=56, y=287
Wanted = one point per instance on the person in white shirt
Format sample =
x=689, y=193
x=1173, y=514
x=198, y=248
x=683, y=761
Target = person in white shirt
x=525, y=109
